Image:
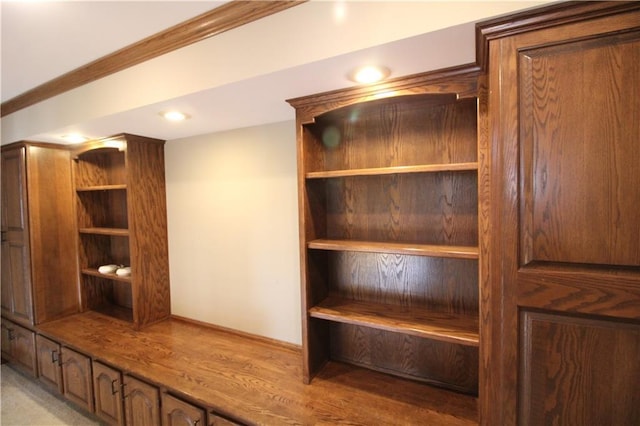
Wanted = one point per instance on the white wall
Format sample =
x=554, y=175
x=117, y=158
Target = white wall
x=233, y=230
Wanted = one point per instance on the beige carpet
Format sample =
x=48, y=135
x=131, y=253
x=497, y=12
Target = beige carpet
x=25, y=403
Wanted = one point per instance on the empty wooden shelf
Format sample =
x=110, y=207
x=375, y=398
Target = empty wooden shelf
x=388, y=208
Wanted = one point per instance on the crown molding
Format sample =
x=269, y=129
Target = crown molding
x=226, y=17
x=543, y=17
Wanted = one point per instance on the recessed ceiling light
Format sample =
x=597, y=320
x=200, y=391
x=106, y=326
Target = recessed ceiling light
x=174, y=115
x=369, y=74
x=75, y=138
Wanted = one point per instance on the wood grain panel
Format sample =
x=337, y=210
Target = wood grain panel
x=96, y=250
x=16, y=259
x=14, y=188
x=456, y=252
x=107, y=388
x=48, y=358
x=23, y=349
x=579, y=371
x=431, y=208
x=146, y=192
x=223, y=18
x=580, y=154
x=52, y=241
x=142, y=402
x=434, y=362
x=446, y=285
x=581, y=290
x=102, y=166
x=373, y=171
x=77, y=378
x=176, y=412
x=407, y=131
x=102, y=209
x=431, y=324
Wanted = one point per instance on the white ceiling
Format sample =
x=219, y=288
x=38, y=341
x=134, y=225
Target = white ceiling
x=237, y=79
x=42, y=40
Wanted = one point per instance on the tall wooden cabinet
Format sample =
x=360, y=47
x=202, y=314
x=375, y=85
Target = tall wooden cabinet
x=389, y=228
x=122, y=220
x=38, y=246
x=560, y=339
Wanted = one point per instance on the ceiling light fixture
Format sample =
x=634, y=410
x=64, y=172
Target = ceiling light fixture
x=74, y=138
x=174, y=115
x=369, y=74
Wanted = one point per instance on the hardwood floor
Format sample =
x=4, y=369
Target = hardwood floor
x=255, y=381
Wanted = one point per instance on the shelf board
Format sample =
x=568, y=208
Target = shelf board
x=426, y=168
x=458, y=252
x=94, y=272
x=101, y=188
x=446, y=327
x=117, y=232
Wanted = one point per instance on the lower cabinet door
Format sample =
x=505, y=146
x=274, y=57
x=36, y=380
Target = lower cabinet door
x=24, y=349
x=76, y=378
x=141, y=402
x=5, y=346
x=107, y=388
x=48, y=356
x=19, y=347
x=176, y=412
x=215, y=420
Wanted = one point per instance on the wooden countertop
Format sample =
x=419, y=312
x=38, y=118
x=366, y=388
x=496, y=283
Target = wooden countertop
x=256, y=381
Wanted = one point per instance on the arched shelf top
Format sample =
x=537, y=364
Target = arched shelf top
x=444, y=86
x=116, y=143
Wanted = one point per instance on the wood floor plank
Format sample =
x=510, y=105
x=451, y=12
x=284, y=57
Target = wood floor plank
x=256, y=381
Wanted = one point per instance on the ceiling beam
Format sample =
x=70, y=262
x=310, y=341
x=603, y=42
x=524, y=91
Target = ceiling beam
x=226, y=17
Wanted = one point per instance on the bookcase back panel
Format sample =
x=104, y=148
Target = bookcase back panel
x=102, y=209
x=426, y=208
x=101, y=167
x=97, y=250
x=437, y=284
x=403, y=132
x=440, y=363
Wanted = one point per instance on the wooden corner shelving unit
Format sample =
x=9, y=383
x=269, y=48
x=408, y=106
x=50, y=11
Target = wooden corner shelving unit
x=388, y=199
x=122, y=220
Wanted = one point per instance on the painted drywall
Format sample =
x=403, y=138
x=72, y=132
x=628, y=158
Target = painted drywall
x=296, y=38
x=233, y=230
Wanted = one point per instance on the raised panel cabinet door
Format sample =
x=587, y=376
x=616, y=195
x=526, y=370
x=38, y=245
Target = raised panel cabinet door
x=563, y=303
x=176, y=412
x=569, y=361
x=141, y=402
x=49, y=369
x=5, y=344
x=77, y=378
x=23, y=347
x=52, y=243
x=16, y=278
x=215, y=420
x=107, y=389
